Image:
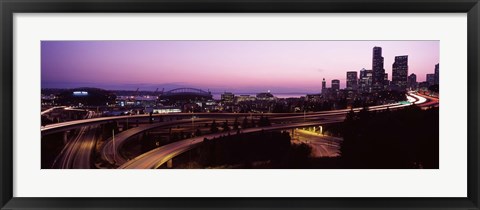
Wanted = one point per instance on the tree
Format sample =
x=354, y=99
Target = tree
x=364, y=114
x=198, y=132
x=385, y=140
x=245, y=123
x=434, y=88
x=252, y=123
x=225, y=126
x=236, y=124
x=350, y=116
x=264, y=121
x=261, y=121
x=267, y=121
x=214, y=127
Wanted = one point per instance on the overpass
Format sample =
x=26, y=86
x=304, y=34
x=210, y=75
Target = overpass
x=51, y=109
x=111, y=149
x=156, y=157
x=65, y=126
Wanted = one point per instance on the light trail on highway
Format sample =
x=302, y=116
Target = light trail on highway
x=51, y=109
x=156, y=157
x=110, y=152
x=77, y=152
x=64, y=126
x=322, y=145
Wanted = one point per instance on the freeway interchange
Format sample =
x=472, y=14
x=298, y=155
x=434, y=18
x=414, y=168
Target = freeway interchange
x=78, y=151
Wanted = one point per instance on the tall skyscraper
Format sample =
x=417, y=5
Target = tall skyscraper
x=324, y=85
x=352, y=80
x=365, y=80
x=412, y=81
x=335, y=84
x=431, y=79
x=437, y=76
x=386, y=82
x=377, y=68
x=400, y=72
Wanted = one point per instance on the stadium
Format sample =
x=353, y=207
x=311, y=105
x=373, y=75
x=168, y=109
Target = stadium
x=185, y=95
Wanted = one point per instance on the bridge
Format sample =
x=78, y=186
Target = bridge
x=186, y=91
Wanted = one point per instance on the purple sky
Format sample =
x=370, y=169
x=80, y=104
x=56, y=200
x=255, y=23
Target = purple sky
x=237, y=66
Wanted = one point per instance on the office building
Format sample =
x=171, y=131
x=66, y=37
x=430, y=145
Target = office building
x=400, y=72
x=335, y=84
x=431, y=79
x=365, y=80
x=352, y=80
x=377, y=68
x=412, y=81
x=227, y=97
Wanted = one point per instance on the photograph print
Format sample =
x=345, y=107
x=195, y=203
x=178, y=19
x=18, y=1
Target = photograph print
x=222, y=104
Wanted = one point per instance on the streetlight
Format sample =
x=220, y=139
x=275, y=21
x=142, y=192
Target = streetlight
x=113, y=145
x=193, y=125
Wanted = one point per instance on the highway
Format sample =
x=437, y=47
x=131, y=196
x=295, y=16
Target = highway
x=111, y=149
x=51, y=109
x=156, y=157
x=83, y=157
x=322, y=146
x=65, y=126
x=77, y=152
x=431, y=101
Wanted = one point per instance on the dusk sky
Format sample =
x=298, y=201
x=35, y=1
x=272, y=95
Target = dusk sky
x=235, y=66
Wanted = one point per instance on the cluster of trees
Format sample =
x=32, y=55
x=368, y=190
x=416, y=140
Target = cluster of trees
x=434, y=88
x=314, y=106
x=244, y=150
x=407, y=138
x=51, y=146
x=46, y=121
x=225, y=126
x=264, y=121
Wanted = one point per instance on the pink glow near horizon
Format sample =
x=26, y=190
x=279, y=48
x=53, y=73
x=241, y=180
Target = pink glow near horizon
x=280, y=66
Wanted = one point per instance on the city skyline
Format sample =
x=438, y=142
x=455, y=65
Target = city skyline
x=153, y=104
x=235, y=66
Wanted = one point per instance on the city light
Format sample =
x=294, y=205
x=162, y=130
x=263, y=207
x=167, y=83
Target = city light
x=186, y=109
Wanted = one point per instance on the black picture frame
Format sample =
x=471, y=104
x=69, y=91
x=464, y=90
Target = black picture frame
x=9, y=7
